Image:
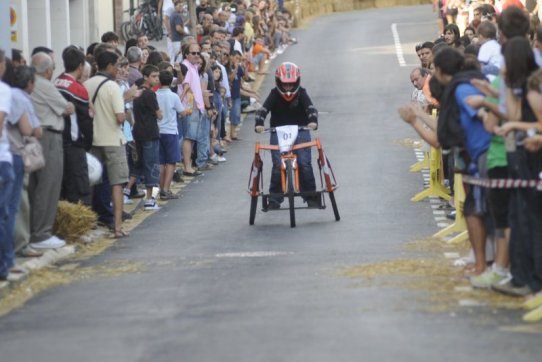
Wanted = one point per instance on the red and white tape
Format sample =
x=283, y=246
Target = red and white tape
x=502, y=183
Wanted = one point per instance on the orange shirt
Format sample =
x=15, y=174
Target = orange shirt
x=256, y=49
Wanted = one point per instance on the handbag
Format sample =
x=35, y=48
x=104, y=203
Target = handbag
x=32, y=154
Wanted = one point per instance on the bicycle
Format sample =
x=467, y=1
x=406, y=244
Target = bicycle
x=290, y=174
x=143, y=20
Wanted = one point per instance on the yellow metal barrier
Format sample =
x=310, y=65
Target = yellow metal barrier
x=436, y=188
x=420, y=165
x=459, y=225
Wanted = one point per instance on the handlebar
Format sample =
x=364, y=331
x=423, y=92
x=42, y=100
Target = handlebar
x=300, y=128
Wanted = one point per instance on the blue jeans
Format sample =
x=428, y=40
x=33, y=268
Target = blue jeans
x=306, y=175
x=7, y=181
x=223, y=119
x=217, y=101
x=203, y=140
x=15, y=200
x=150, y=166
x=235, y=111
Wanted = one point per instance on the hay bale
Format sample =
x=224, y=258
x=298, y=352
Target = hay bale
x=73, y=221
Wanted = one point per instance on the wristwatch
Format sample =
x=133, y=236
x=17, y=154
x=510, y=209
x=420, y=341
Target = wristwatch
x=531, y=132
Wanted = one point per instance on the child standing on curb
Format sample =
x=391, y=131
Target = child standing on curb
x=146, y=133
x=170, y=153
x=236, y=75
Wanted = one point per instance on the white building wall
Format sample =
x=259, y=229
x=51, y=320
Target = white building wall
x=5, y=28
x=55, y=24
x=60, y=29
x=79, y=23
x=104, y=18
x=39, y=24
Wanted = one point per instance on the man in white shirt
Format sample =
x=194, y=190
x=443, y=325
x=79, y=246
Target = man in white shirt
x=108, y=141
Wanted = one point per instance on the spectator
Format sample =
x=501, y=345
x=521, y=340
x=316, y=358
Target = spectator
x=7, y=175
x=167, y=8
x=108, y=141
x=476, y=19
x=260, y=54
x=147, y=134
x=144, y=56
x=129, y=43
x=467, y=131
x=77, y=136
x=17, y=58
x=418, y=78
x=45, y=184
x=525, y=215
x=18, y=126
x=192, y=97
x=110, y=38
x=142, y=41
x=23, y=87
x=452, y=37
x=489, y=55
x=177, y=31
x=134, y=55
x=470, y=32
x=236, y=75
x=170, y=104
x=426, y=55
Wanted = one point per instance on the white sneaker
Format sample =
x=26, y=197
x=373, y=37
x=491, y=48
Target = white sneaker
x=151, y=205
x=250, y=108
x=217, y=158
x=52, y=243
x=127, y=200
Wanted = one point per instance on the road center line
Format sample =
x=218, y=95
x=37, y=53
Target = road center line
x=253, y=254
x=398, y=46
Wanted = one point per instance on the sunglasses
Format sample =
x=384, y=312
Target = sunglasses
x=194, y=53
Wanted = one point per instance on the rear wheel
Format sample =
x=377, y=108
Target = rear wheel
x=253, y=206
x=126, y=30
x=334, y=205
x=290, y=191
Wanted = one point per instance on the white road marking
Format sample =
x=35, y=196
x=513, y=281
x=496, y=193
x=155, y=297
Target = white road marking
x=398, y=46
x=253, y=254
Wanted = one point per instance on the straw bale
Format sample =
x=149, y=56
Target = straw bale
x=73, y=221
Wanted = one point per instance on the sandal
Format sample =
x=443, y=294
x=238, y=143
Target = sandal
x=17, y=270
x=28, y=252
x=119, y=234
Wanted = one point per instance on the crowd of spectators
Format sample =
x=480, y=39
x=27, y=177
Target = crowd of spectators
x=149, y=117
x=486, y=89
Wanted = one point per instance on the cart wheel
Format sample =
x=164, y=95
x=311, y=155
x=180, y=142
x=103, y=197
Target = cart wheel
x=253, y=206
x=334, y=205
x=290, y=191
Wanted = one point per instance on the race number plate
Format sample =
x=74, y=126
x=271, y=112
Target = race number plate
x=286, y=136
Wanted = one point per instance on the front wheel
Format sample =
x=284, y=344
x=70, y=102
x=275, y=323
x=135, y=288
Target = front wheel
x=253, y=206
x=290, y=191
x=334, y=205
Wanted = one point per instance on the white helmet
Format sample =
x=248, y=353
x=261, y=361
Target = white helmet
x=95, y=169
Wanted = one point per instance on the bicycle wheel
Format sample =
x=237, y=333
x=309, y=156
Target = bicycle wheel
x=253, y=206
x=334, y=205
x=158, y=31
x=290, y=190
x=126, y=30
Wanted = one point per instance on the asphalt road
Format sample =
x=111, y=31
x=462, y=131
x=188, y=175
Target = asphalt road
x=209, y=287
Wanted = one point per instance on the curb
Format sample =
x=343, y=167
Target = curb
x=31, y=264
